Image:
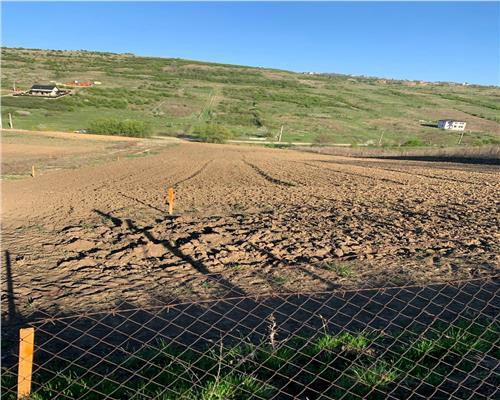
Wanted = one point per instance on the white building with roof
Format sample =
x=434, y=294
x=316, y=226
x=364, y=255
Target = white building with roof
x=451, y=124
x=44, y=90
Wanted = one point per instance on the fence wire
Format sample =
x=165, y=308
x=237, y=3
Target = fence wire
x=413, y=342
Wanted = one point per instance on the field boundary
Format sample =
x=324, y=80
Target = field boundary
x=418, y=341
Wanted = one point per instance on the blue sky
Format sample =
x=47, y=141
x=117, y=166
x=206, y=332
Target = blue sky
x=436, y=41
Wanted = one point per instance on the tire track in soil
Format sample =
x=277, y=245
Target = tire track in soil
x=268, y=177
x=193, y=175
x=299, y=231
x=453, y=180
x=413, y=173
x=350, y=173
x=174, y=185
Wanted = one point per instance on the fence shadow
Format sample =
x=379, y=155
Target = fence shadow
x=101, y=344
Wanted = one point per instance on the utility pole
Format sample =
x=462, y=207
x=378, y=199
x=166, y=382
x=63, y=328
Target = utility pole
x=380, y=138
x=281, y=134
x=461, y=137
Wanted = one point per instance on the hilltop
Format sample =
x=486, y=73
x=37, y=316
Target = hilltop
x=175, y=96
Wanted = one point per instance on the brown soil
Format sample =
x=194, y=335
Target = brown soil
x=247, y=221
x=49, y=151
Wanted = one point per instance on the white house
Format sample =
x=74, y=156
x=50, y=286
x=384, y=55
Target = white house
x=44, y=90
x=452, y=124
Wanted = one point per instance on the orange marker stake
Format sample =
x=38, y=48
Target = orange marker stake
x=170, y=200
x=26, y=349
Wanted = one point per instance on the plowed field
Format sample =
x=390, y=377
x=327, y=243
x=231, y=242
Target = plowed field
x=246, y=221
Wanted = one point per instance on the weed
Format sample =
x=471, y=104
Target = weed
x=342, y=341
x=207, y=284
x=278, y=279
x=342, y=269
x=379, y=374
x=275, y=359
x=233, y=387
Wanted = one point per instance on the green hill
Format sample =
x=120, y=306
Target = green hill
x=178, y=96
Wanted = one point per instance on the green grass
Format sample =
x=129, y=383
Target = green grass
x=14, y=177
x=344, y=341
x=145, y=153
x=342, y=269
x=358, y=364
x=379, y=374
x=176, y=96
x=279, y=279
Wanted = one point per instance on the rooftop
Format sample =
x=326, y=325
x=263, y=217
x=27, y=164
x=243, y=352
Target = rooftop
x=43, y=87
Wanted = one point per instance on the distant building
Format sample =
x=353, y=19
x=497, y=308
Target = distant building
x=79, y=84
x=44, y=90
x=451, y=124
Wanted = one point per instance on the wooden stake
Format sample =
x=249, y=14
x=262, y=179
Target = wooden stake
x=10, y=121
x=281, y=134
x=33, y=171
x=170, y=200
x=26, y=350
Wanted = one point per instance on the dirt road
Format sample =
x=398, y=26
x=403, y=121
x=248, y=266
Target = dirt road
x=246, y=221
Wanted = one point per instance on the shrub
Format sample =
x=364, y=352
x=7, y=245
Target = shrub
x=127, y=127
x=212, y=133
x=322, y=139
x=413, y=143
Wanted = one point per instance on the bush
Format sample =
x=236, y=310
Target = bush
x=322, y=139
x=413, y=143
x=212, y=133
x=127, y=127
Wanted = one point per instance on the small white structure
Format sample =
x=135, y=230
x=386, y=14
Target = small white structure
x=451, y=124
x=44, y=90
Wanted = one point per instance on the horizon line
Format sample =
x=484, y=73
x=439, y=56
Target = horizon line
x=260, y=67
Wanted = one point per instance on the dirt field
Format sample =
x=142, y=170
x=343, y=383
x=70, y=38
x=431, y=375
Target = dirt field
x=49, y=151
x=247, y=221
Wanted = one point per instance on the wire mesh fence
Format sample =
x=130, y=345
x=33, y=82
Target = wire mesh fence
x=414, y=342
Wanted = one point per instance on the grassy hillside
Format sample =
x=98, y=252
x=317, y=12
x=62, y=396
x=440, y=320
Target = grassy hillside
x=178, y=96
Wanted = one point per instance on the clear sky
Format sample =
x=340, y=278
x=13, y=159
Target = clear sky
x=436, y=41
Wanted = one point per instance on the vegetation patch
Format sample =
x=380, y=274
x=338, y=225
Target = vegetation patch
x=352, y=365
x=175, y=95
x=126, y=127
x=212, y=133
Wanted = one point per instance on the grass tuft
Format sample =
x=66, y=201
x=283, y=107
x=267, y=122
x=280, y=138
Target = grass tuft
x=342, y=269
x=379, y=374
